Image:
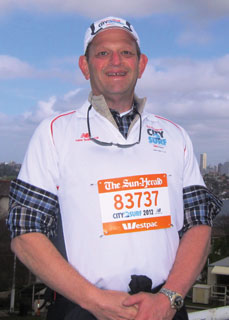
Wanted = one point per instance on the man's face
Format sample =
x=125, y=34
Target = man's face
x=113, y=66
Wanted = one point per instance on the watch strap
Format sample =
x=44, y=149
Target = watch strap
x=176, y=299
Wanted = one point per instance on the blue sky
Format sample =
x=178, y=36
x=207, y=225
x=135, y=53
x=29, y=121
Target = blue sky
x=186, y=80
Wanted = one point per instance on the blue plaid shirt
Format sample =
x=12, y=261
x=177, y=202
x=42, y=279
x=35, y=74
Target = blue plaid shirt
x=123, y=122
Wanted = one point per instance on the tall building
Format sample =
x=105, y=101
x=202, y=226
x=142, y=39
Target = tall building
x=203, y=162
x=225, y=168
x=220, y=168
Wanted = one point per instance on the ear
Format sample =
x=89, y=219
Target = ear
x=142, y=64
x=84, y=67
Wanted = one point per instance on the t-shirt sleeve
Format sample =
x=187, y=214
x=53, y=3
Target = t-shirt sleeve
x=34, y=203
x=40, y=165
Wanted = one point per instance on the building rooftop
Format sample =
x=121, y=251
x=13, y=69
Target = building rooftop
x=221, y=263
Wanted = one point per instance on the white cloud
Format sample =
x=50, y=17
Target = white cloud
x=54, y=105
x=44, y=110
x=16, y=131
x=211, y=8
x=71, y=94
x=11, y=67
x=196, y=9
x=98, y=8
x=14, y=68
x=199, y=37
x=195, y=95
x=185, y=77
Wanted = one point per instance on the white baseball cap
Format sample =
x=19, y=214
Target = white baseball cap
x=105, y=23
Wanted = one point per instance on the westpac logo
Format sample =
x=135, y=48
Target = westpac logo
x=134, y=225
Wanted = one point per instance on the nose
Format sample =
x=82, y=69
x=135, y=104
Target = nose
x=115, y=58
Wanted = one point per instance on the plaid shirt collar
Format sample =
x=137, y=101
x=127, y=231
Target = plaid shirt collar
x=124, y=122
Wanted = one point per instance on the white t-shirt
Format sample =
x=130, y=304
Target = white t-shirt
x=121, y=208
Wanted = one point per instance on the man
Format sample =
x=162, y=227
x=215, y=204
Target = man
x=126, y=184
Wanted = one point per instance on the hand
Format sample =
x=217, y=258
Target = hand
x=151, y=306
x=108, y=305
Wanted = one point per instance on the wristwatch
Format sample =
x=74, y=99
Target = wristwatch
x=176, y=299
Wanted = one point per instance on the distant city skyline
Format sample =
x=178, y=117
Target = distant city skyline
x=221, y=167
x=198, y=160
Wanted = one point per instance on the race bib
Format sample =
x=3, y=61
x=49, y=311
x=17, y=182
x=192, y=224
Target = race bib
x=135, y=203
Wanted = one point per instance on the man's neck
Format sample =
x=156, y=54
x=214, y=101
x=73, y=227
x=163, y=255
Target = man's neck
x=100, y=105
x=118, y=104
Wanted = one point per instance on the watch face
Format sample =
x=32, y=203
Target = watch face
x=178, y=302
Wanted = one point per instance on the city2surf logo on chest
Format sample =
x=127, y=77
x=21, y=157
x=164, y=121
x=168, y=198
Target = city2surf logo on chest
x=156, y=137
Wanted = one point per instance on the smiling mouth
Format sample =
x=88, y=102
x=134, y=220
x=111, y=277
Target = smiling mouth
x=116, y=74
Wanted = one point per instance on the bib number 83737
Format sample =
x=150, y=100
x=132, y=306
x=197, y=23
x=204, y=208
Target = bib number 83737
x=135, y=199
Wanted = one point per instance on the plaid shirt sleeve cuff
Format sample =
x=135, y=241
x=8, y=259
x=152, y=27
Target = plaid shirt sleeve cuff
x=200, y=207
x=31, y=209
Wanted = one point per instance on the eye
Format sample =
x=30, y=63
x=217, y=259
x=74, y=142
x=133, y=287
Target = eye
x=127, y=53
x=102, y=54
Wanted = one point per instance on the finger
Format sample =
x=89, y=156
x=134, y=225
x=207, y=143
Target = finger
x=128, y=313
x=132, y=300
